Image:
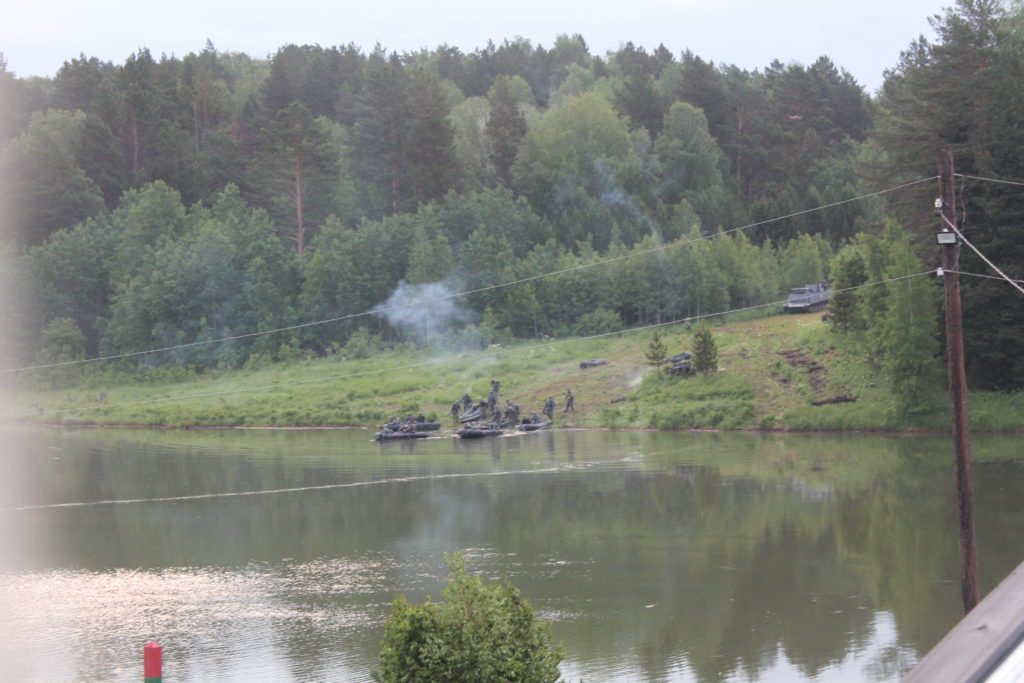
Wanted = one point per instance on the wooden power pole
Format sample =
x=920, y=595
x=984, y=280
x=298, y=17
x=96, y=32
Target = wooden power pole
x=958, y=390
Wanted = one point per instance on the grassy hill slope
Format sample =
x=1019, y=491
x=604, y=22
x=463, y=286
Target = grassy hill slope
x=772, y=371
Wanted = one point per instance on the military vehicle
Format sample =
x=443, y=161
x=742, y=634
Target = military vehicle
x=807, y=299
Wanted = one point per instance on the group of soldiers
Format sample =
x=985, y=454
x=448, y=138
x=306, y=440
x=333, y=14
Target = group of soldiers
x=570, y=404
x=510, y=413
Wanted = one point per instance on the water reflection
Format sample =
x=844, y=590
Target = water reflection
x=655, y=556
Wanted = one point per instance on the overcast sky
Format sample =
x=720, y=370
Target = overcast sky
x=865, y=37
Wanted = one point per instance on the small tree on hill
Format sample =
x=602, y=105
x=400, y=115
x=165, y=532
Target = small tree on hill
x=479, y=633
x=656, y=352
x=848, y=270
x=705, y=351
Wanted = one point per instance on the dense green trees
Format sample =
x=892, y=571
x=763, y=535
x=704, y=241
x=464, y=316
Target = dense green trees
x=965, y=91
x=896, y=322
x=474, y=169
x=45, y=189
x=227, y=274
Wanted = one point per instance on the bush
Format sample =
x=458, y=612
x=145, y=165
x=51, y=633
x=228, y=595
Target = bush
x=600, y=321
x=62, y=341
x=360, y=345
x=479, y=633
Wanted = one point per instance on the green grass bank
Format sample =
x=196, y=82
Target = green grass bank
x=782, y=372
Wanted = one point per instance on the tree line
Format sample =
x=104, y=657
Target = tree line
x=163, y=201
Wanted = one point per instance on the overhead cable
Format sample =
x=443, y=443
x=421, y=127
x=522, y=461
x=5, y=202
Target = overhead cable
x=991, y=180
x=980, y=255
x=981, y=275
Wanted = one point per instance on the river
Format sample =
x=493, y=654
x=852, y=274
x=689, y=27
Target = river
x=275, y=555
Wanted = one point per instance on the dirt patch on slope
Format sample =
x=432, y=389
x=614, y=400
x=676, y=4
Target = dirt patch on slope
x=816, y=377
x=801, y=360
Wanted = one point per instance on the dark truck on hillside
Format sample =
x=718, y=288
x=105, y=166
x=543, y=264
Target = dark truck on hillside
x=807, y=299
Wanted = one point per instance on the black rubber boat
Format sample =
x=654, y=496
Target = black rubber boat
x=397, y=436
x=534, y=426
x=471, y=415
x=478, y=432
x=426, y=426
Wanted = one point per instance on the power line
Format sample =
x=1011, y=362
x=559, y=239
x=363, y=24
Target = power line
x=420, y=302
x=413, y=366
x=992, y=180
x=980, y=255
x=987, y=277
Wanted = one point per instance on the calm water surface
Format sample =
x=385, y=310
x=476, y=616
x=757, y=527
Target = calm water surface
x=684, y=557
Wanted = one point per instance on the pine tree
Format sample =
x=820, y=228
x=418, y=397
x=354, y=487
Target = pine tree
x=505, y=127
x=656, y=352
x=848, y=270
x=381, y=132
x=705, y=351
x=301, y=165
x=639, y=101
x=432, y=166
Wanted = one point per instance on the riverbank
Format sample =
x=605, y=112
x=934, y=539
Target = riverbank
x=782, y=372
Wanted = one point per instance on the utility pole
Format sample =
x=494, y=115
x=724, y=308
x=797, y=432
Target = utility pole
x=958, y=387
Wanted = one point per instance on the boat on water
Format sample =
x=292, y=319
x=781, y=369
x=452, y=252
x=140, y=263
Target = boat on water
x=534, y=426
x=398, y=436
x=472, y=432
x=410, y=424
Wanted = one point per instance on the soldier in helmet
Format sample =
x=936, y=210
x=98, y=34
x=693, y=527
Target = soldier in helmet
x=512, y=411
x=549, y=407
x=467, y=402
x=570, y=401
x=455, y=411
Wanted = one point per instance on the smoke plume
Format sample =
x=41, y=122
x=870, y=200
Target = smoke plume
x=424, y=311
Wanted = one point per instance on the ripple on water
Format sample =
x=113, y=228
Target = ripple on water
x=69, y=624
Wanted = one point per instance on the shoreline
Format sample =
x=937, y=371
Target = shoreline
x=332, y=428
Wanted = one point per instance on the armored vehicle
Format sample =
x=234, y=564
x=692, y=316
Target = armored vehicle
x=807, y=299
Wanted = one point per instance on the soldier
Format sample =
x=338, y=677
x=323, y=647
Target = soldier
x=455, y=412
x=492, y=398
x=466, y=402
x=549, y=407
x=569, y=400
x=512, y=411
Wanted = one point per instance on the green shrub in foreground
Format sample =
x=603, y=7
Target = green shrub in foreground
x=479, y=633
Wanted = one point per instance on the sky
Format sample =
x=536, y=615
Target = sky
x=864, y=37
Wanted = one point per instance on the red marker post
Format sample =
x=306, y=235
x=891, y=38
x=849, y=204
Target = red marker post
x=153, y=662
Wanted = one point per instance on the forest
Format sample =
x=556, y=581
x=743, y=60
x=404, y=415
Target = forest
x=166, y=201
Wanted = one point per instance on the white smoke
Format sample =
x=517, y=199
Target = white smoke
x=424, y=311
